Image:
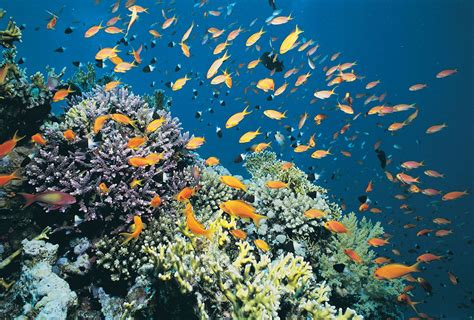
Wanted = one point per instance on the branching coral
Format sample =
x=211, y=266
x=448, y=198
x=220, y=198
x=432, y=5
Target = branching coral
x=228, y=277
x=356, y=286
x=79, y=166
x=11, y=33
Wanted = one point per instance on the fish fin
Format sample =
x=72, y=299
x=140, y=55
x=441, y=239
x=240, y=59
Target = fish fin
x=128, y=237
x=245, y=112
x=16, y=138
x=256, y=219
x=29, y=198
x=414, y=267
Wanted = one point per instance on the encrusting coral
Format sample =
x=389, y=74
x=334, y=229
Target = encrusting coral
x=11, y=33
x=79, y=166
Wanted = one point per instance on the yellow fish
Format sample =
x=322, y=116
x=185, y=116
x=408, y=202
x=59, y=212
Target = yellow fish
x=266, y=84
x=249, y=136
x=274, y=114
x=254, y=38
x=179, y=84
x=155, y=124
x=262, y=245
x=195, y=143
x=290, y=40
x=276, y=184
x=236, y=118
x=216, y=65
x=233, y=182
x=241, y=209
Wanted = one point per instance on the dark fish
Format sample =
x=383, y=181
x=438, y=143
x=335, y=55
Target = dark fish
x=239, y=158
x=198, y=114
x=271, y=62
x=222, y=102
x=172, y=44
x=219, y=132
x=177, y=68
x=60, y=49
x=339, y=267
x=362, y=199
x=149, y=68
x=68, y=30
x=77, y=64
x=382, y=158
x=21, y=60
x=312, y=194
x=248, y=197
x=152, y=43
x=100, y=64
x=153, y=60
x=272, y=4
x=425, y=285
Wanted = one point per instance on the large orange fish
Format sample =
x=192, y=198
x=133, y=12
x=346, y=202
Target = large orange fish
x=9, y=145
x=395, y=270
x=136, y=229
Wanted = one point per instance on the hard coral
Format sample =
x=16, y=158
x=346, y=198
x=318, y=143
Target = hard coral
x=79, y=166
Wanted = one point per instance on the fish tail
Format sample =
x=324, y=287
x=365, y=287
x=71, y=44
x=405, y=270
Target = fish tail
x=15, y=174
x=16, y=138
x=29, y=198
x=128, y=237
x=256, y=219
x=414, y=268
x=245, y=112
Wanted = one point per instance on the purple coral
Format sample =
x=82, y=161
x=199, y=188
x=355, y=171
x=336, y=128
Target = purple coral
x=78, y=167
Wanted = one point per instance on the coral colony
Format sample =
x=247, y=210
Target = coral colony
x=139, y=226
x=117, y=156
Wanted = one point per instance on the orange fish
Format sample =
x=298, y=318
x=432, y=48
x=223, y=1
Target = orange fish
x=428, y=257
x=61, y=94
x=103, y=188
x=417, y=87
x=212, y=161
x=453, y=278
x=241, y=209
x=394, y=271
x=262, y=245
x=52, y=22
x=382, y=260
x=377, y=242
x=407, y=179
x=38, y=139
x=286, y=165
x=453, y=195
x=7, y=178
x=106, y=53
x=195, y=143
x=195, y=226
x=155, y=201
x=123, y=119
x=185, y=194
x=314, y=214
x=99, y=123
x=353, y=255
x=155, y=124
x=443, y=233
x=136, y=227
x=92, y=31
x=441, y=221
x=136, y=142
x=69, y=135
x=369, y=187
x=335, y=226
x=233, y=182
x=436, y=128
x=434, y=174
x=111, y=85
x=446, y=73
x=276, y=184
x=239, y=234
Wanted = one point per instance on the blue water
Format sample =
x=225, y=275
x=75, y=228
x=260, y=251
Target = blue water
x=400, y=42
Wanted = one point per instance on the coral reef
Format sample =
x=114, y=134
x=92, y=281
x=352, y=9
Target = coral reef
x=11, y=34
x=228, y=278
x=78, y=167
x=44, y=294
x=356, y=286
x=25, y=101
x=85, y=79
x=287, y=229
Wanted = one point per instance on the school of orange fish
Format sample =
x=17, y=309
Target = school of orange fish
x=223, y=71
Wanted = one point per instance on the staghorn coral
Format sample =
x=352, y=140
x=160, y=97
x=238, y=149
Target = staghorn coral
x=228, y=278
x=79, y=166
x=356, y=286
x=11, y=34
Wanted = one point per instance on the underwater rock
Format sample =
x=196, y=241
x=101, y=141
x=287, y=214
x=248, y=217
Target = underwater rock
x=44, y=294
